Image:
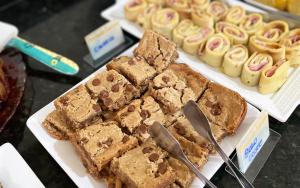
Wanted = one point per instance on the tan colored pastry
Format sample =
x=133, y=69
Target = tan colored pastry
x=273, y=31
x=253, y=68
x=252, y=23
x=144, y=19
x=182, y=30
x=292, y=47
x=199, y=4
x=277, y=51
x=157, y=2
x=193, y=43
x=235, y=15
x=181, y=6
x=164, y=21
x=234, y=60
x=215, y=49
x=235, y=34
x=133, y=8
x=202, y=18
x=217, y=10
x=273, y=78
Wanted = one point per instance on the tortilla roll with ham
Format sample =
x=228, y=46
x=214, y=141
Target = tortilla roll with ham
x=273, y=31
x=235, y=34
x=201, y=18
x=181, y=6
x=144, y=19
x=185, y=28
x=134, y=8
x=217, y=10
x=292, y=47
x=235, y=15
x=252, y=23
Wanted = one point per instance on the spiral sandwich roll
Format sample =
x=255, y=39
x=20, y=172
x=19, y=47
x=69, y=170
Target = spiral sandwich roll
x=253, y=68
x=201, y=18
x=235, y=34
x=252, y=23
x=199, y=4
x=292, y=47
x=234, y=60
x=144, y=19
x=157, y=2
x=134, y=8
x=273, y=78
x=277, y=51
x=217, y=10
x=235, y=15
x=192, y=43
x=182, y=30
x=215, y=49
x=181, y=6
x=273, y=31
x=164, y=21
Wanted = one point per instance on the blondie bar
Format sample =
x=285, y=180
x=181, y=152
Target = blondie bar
x=157, y=50
x=99, y=143
x=78, y=107
x=144, y=167
x=184, y=177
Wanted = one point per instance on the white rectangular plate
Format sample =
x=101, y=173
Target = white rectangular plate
x=14, y=171
x=279, y=105
x=65, y=155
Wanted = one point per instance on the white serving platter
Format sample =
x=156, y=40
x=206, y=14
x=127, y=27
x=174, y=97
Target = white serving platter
x=14, y=171
x=279, y=105
x=65, y=155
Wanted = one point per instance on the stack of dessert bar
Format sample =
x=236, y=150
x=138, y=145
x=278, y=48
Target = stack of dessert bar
x=107, y=119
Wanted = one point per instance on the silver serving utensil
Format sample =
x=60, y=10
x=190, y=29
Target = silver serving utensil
x=201, y=125
x=166, y=141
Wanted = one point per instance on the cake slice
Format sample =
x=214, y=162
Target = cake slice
x=99, y=143
x=144, y=167
x=157, y=50
x=56, y=125
x=223, y=107
x=112, y=89
x=78, y=107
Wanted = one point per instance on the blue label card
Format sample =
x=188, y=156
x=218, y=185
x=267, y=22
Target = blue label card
x=252, y=142
x=104, y=39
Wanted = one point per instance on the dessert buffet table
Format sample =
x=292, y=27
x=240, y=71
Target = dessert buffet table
x=64, y=33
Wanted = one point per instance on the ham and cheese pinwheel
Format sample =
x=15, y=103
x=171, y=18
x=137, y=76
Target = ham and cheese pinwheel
x=235, y=15
x=181, y=6
x=157, y=2
x=273, y=31
x=273, y=78
x=201, y=18
x=215, y=49
x=252, y=23
x=182, y=30
x=164, y=21
x=235, y=34
x=199, y=4
x=292, y=47
x=192, y=43
x=253, y=68
x=133, y=8
x=217, y=10
x=277, y=51
x=144, y=19
x=234, y=60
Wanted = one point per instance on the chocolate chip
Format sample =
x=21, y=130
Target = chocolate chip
x=144, y=114
x=115, y=88
x=84, y=140
x=165, y=79
x=191, y=138
x=64, y=100
x=180, y=129
x=108, y=142
x=97, y=107
x=143, y=129
x=129, y=88
x=110, y=78
x=125, y=139
x=208, y=103
x=107, y=101
x=99, y=144
x=131, y=62
x=153, y=157
x=216, y=109
x=150, y=60
x=96, y=82
x=104, y=94
x=147, y=150
x=130, y=108
x=162, y=168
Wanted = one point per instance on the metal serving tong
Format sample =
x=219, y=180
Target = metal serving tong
x=201, y=125
x=166, y=141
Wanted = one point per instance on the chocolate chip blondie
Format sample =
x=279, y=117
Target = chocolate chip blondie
x=112, y=90
x=78, y=107
x=144, y=167
x=157, y=50
x=99, y=143
x=184, y=176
